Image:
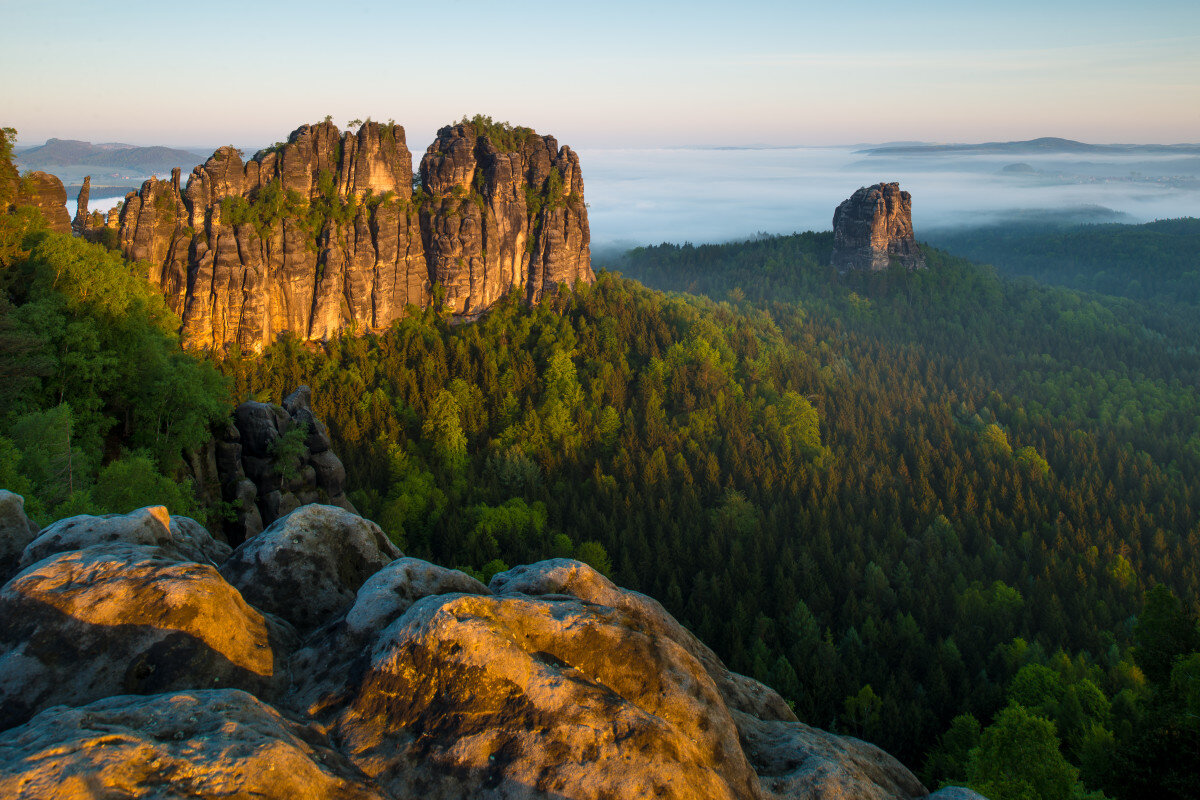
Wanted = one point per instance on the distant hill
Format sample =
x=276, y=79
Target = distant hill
x=1047, y=145
x=1154, y=261
x=70, y=152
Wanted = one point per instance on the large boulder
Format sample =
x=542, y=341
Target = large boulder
x=565, y=576
x=308, y=565
x=320, y=667
x=217, y=743
x=46, y=193
x=129, y=619
x=16, y=532
x=472, y=695
x=182, y=537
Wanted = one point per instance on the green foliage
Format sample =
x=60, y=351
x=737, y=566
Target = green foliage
x=1164, y=632
x=504, y=137
x=1018, y=758
x=595, y=556
x=90, y=363
x=286, y=450
x=133, y=481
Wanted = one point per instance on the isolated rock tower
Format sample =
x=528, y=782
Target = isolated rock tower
x=874, y=227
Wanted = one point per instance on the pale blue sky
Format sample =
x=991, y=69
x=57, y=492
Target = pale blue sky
x=611, y=73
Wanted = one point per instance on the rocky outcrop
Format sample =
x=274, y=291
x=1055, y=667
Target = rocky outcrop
x=324, y=232
x=129, y=619
x=45, y=192
x=83, y=220
x=873, y=229
x=213, y=743
x=124, y=670
x=308, y=565
x=180, y=537
x=269, y=460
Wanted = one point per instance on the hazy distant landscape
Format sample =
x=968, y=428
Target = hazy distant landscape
x=713, y=195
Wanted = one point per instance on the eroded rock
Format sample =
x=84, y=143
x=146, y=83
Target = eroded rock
x=218, y=743
x=324, y=233
x=574, y=578
x=873, y=228
x=129, y=619
x=181, y=537
x=46, y=193
x=467, y=695
x=307, y=566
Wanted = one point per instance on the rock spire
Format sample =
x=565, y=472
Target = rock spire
x=873, y=228
x=325, y=231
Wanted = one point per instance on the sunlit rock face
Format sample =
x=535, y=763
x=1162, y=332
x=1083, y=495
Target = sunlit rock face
x=872, y=229
x=316, y=661
x=46, y=193
x=324, y=232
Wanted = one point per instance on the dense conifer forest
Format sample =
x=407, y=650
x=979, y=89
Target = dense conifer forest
x=953, y=514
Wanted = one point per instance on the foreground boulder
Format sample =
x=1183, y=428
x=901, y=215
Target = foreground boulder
x=873, y=228
x=129, y=619
x=410, y=681
x=181, y=537
x=536, y=697
x=308, y=565
x=222, y=743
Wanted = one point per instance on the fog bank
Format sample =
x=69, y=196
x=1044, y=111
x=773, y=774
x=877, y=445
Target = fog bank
x=648, y=196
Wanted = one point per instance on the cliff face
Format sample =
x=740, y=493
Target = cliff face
x=873, y=227
x=325, y=232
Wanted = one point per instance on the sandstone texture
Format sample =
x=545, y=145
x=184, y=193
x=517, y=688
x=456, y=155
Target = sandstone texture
x=181, y=537
x=317, y=662
x=128, y=619
x=873, y=228
x=309, y=564
x=215, y=743
x=324, y=232
x=46, y=193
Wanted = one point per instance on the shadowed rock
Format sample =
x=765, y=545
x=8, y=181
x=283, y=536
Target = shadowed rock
x=308, y=565
x=16, y=532
x=873, y=228
x=128, y=619
x=221, y=743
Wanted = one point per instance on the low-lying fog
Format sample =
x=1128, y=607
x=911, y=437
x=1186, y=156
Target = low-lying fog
x=714, y=195
x=648, y=196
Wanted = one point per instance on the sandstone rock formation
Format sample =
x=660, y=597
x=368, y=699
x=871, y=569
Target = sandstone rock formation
x=181, y=537
x=873, y=228
x=325, y=232
x=83, y=220
x=266, y=480
x=209, y=743
x=45, y=192
x=309, y=564
x=125, y=671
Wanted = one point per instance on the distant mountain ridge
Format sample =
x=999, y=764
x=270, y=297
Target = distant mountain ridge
x=61, y=152
x=1045, y=145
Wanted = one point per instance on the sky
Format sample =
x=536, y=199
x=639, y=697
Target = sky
x=605, y=74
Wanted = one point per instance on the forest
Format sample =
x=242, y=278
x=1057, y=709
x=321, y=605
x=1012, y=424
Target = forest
x=948, y=512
